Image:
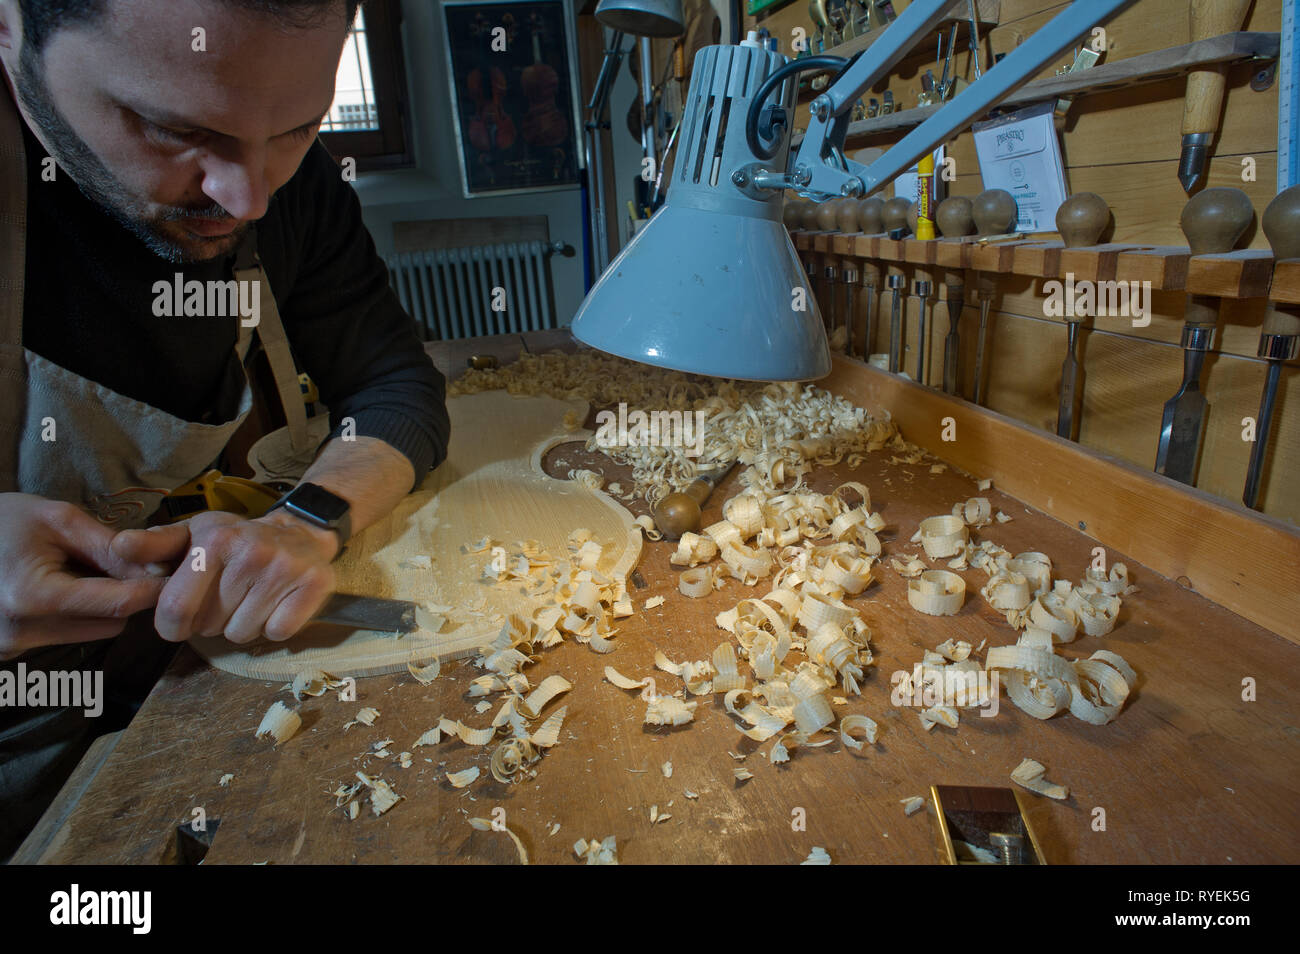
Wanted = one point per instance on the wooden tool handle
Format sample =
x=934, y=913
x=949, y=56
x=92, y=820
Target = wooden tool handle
x=1205, y=87
x=1282, y=320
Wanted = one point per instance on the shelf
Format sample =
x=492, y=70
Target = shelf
x=1136, y=70
x=1245, y=273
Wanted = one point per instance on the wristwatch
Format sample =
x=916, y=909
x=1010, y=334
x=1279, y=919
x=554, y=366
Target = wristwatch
x=318, y=506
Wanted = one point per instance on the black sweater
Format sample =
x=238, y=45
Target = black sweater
x=89, y=308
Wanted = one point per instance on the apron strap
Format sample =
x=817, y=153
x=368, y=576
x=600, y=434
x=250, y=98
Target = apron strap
x=248, y=268
x=13, y=262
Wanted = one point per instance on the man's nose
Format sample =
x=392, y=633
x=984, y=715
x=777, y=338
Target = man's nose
x=239, y=184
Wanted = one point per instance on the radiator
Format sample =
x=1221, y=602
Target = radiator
x=483, y=290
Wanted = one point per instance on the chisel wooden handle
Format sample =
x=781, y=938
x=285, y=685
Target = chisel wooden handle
x=1205, y=87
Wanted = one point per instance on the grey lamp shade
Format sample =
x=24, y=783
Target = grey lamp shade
x=709, y=293
x=643, y=17
x=712, y=284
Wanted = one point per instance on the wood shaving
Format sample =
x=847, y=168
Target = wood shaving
x=314, y=682
x=587, y=478
x=667, y=710
x=548, y=733
x=697, y=675
x=778, y=431
x=985, y=484
x=654, y=602
x=382, y=796
x=280, y=722
x=597, y=853
x=511, y=759
x=689, y=794
x=667, y=769
x=483, y=824
x=693, y=549
x=462, y=779
x=623, y=682
x=937, y=593
x=695, y=583
x=550, y=687
x=1001, y=517
x=645, y=522
x=818, y=856
x=426, y=674
x=365, y=716
x=742, y=774
x=943, y=536
x=225, y=779
x=1033, y=776
x=857, y=723
x=912, y=804
x=975, y=512
x=432, y=737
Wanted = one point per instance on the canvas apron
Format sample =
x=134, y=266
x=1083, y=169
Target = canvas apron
x=102, y=443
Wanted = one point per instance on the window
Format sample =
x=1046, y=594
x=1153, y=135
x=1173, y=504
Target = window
x=368, y=119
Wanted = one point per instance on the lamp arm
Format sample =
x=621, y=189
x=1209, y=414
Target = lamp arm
x=820, y=168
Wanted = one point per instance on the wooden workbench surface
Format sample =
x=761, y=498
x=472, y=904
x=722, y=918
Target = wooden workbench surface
x=1188, y=773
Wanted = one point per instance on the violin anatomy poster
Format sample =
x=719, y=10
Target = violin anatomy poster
x=514, y=97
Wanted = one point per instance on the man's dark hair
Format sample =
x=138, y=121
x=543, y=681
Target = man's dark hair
x=42, y=18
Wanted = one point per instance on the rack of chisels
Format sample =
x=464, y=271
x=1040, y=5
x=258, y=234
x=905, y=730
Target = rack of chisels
x=870, y=273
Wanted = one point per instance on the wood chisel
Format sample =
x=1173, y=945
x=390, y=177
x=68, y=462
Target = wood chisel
x=870, y=222
x=1280, y=340
x=1081, y=219
x=954, y=219
x=922, y=289
x=1204, y=102
x=680, y=512
x=847, y=224
x=368, y=612
x=994, y=212
x=894, y=219
x=1213, y=221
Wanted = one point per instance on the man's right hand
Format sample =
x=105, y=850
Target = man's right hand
x=60, y=581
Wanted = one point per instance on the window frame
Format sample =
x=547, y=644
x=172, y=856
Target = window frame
x=388, y=147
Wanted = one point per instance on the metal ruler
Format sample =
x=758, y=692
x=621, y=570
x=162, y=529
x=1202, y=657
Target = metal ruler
x=1288, y=102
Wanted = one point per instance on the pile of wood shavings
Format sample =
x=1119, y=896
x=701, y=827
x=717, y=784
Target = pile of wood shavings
x=777, y=431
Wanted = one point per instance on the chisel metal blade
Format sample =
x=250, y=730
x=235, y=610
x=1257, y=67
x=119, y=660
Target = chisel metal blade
x=1180, y=436
x=368, y=612
x=1182, y=424
x=1069, y=386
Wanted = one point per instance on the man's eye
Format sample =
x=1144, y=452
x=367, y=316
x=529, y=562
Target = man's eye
x=168, y=134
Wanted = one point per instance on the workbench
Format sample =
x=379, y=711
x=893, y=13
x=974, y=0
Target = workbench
x=1188, y=772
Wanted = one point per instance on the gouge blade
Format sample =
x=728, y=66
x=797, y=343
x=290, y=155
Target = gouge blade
x=368, y=612
x=1069, y=386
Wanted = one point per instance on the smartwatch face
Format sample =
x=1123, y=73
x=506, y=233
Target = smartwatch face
x=318, y=502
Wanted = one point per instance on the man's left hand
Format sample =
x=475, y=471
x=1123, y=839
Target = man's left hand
x=234, y=576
